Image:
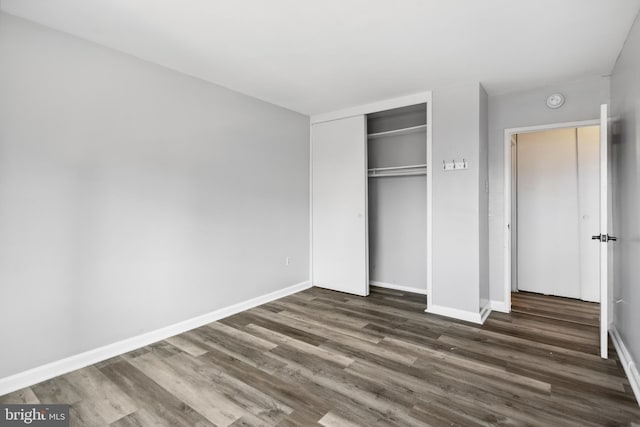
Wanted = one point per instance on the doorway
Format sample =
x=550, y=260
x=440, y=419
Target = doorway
x=602, y=238
x=555, y=209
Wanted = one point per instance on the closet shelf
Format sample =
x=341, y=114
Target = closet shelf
x=397, y=132
x=394, y=168
x=409, y=170
x=382, y=175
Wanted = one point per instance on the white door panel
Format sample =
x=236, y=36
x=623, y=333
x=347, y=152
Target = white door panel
x=339, y=205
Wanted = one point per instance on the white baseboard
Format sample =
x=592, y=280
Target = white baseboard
x=485, y=312
x=78, y=361
x=627, y=362
x=500, y=306
x=398, y=287
x=468, y=316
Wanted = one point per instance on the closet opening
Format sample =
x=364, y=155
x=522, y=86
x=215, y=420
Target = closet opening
x=397, y=198
x=370, y=197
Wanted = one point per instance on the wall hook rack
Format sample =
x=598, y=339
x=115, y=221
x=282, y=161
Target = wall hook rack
x=454, y=165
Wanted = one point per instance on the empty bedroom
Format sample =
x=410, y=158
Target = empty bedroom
x=323, y=213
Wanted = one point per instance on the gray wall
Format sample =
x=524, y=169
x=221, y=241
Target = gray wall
x=456, y=204
x=519, y=109
x=398, y=230
x=625, y=153
x=133, y=197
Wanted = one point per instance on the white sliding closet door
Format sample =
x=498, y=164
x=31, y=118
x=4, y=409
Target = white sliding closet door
x=557, y=207
x=589, y=214
x=548, y=226
x=339, y=205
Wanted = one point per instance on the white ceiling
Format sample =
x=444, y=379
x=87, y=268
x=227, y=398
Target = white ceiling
x=318, y=56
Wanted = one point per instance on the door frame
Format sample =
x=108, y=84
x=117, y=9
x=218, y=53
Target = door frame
x=387, y=104
x=508, y=167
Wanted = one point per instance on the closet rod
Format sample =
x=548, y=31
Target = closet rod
x=392, y=168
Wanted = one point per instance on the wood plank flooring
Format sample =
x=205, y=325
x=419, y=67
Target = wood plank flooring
x=325, y=358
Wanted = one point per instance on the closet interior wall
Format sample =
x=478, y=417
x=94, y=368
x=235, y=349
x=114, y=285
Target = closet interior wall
x=397, y=191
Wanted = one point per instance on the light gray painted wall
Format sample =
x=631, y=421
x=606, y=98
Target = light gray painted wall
x=133, y=197
x=583, y=99
x=456, y=207
x=625, y=153
x=483, y=197
x=398, y=230
x=400, y=150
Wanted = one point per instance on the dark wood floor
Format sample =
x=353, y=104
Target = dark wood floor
x=323, y=357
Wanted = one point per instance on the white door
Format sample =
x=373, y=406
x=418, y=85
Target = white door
x=603, y=238
x=339, y=205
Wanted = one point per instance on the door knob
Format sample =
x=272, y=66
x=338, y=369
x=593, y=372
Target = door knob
x=604, y=238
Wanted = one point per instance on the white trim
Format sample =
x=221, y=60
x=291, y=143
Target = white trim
x=565, y=125
x=366, y=204
x=398, y=287
x=506, y=221
x=604, y=223
x=310, y=204
x=78, y=361
x=429, y=100
x=468, y=316
x=485, y=312
x=373, y=107
x=500, y=306
x=626, y=361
